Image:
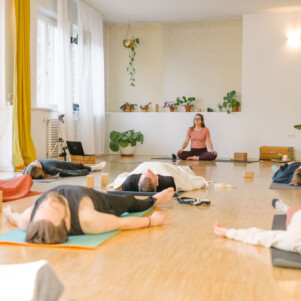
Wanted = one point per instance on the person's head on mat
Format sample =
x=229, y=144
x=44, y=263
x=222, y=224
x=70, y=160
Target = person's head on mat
x=148, y=181
x=296, y=179
x=35, y=170
x=51, y=221
x=198, y=120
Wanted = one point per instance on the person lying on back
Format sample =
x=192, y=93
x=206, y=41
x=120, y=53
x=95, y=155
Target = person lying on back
x=74, y=210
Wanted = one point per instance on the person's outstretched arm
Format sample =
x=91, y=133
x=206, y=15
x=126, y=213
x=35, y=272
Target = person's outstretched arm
x=280, y=239
x=184, y=145
x=94, y=222
x=21, y=220
x=208, y=140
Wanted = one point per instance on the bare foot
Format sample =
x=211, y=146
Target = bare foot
x=8, y=213
x=196, y=158
x=157, y=218
x=164, y=196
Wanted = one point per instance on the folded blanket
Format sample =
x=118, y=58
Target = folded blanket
x=17, y=188
x=185, y=179
x=29, y=281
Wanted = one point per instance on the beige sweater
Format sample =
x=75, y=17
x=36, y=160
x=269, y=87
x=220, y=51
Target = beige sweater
x=289, y=240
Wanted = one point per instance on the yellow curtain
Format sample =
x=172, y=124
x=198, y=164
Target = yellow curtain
x=23, y=149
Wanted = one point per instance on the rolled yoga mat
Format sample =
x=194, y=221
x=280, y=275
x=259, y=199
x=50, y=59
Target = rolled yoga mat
x=145, y=193
x=85, y=241
x=275, y=185
x=282, y=258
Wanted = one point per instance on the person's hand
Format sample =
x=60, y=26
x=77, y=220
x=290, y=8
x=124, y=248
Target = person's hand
x=164, y=196
x=214, y=152
x=219, y=230
x=179, y=151
x=157, y=218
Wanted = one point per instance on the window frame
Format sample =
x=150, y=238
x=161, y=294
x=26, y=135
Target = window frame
x=48, y=20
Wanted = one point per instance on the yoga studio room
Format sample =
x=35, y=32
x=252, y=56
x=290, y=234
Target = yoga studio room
x=150, y=150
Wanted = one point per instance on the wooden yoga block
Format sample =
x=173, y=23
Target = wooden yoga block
x=248, y=174
x=83, y=159
x=271, y=152
x=90, y=181
x=241, y=156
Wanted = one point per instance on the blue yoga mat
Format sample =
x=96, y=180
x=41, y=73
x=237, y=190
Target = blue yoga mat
x=86, y=241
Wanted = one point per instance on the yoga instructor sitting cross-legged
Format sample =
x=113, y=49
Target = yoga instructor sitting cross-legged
x=74, y=210
x=199, y=136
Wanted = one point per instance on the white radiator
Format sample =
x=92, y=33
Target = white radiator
x=53, y=136
x=76, y=126
x=54, y=148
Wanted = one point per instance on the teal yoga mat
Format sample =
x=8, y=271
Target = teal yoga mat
x=86, y=241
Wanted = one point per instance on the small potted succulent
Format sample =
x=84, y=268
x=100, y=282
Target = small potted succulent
x=230, y=102
x=128, y=107
x=187, y=102
x=220, y=107
x=145, y=107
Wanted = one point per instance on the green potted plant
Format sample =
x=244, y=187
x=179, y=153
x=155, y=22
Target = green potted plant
x=230, y=102
x=171, y=105
x=126, y=141
x=187, y=102
x=128, y=107
x=145, y=107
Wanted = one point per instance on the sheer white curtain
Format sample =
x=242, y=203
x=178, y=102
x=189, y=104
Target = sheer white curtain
x=62, y=68
x=91, y=86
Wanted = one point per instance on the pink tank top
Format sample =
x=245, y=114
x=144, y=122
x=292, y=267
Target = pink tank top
x=198, y=138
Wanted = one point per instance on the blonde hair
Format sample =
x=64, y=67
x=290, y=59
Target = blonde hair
x=296, y=180
x=44, y=232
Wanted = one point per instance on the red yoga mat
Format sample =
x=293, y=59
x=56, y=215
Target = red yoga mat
x=17, y=188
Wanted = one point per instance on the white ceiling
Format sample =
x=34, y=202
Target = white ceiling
x=166, y=11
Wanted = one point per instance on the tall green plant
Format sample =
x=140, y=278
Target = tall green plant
x=131, y=69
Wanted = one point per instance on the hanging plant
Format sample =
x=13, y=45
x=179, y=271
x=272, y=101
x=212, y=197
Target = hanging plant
x=131, y=68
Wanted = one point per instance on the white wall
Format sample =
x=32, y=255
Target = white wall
x=199, y=59
x=271, y=92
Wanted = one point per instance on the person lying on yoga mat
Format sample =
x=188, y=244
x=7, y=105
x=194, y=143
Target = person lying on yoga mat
x=289, y=240
x=148, y=181
x=289, y=173
x=156, y=176
x=52, y=168
x=199, y=136
x=74, y=210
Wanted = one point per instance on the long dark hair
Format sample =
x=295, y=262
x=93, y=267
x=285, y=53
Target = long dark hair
x=202, y=119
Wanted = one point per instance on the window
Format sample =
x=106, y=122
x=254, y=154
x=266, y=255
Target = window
x=46, y=36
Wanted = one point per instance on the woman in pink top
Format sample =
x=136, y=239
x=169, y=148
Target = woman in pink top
x=199, y=136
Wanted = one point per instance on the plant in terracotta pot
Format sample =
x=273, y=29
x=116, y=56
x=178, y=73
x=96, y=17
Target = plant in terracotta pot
x=170, y=104
x=145, y=107
x=230, y=102
x=128, y=107
x=126, y=141
x=187, y=102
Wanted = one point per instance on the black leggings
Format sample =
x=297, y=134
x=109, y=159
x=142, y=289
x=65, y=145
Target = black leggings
x=127, y=203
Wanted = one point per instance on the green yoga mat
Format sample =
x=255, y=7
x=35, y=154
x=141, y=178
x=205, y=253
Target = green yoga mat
x=86, y=241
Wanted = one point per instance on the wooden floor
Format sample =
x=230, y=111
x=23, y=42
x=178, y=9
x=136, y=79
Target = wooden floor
x=183, y=259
